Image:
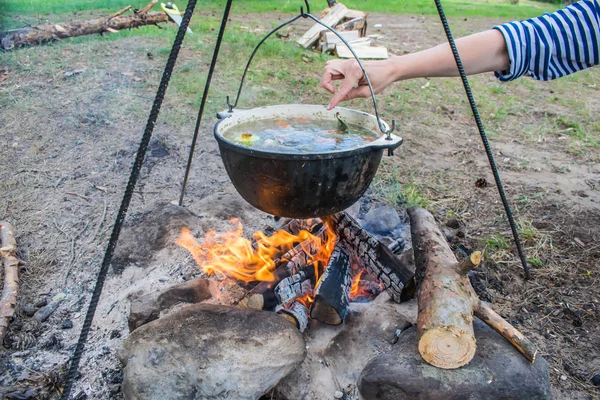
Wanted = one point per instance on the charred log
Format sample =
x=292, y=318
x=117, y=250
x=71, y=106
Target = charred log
x=392, y=271
x=296, y=313
x=333, y=292
x=262, y=296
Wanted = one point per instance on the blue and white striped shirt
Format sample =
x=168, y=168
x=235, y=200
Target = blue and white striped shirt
x=553, y=45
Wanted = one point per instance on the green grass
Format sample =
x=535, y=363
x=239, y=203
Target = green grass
x=496, y=242
x=453, y=8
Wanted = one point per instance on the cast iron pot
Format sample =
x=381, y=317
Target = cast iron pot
x=301, y=185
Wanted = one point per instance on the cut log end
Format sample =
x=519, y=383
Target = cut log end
x=321, y=311
x=444, y=348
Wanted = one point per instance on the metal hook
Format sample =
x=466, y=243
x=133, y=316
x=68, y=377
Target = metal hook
x=229, y=105
x=307, y=7
x=389, y=131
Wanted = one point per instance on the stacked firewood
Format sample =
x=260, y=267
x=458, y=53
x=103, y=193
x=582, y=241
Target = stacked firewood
x=351, y=25
x=304, y=286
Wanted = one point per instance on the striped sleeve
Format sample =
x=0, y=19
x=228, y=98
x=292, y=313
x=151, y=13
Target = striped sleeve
x=553, y=45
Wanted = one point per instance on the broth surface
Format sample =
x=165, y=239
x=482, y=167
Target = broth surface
x=299, y=135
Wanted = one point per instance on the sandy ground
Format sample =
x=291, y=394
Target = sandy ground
x=68, y=143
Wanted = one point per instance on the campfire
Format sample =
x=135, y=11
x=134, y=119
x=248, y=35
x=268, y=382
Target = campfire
x=306, y=269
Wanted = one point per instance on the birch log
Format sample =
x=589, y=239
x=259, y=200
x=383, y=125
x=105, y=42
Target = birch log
x=8, y=251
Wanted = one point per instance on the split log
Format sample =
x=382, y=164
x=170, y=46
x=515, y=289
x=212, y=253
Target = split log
x=356, y=24
x=333, y=291
x=392, y=271
x=296, y=313
x=45, y=33
x=8, y=251
x=335, y=15
x=379, y=53
x=447, y=301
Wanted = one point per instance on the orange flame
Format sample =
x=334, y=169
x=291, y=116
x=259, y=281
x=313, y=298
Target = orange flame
x=230, y=254
x=355, y=290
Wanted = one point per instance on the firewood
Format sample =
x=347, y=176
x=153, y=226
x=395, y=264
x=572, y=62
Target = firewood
x=295, y=286
x=356, y=24
x=262, y=296
x=296, y=313
x=8, y=251
x=45, y=33
x=284, y=292
x=447, y=301
x=334, y=16
x=392, y=271
x=333, y=291
x=362, y=52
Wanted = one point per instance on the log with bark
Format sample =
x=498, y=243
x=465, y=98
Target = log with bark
x=10, y=262
x=296, y=313
x=392, y=271
x=45, y=33
x=447, y=301
x=332, y=295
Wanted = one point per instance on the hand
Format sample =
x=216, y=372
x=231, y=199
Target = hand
x=354, y=85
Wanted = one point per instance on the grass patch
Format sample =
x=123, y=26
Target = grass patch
x=410, y=194
x=453, y=8
x=496, y=242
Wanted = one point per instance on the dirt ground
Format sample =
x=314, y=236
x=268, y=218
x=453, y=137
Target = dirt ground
x=69, y=139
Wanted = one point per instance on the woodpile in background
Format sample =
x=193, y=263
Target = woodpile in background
x=351, y=25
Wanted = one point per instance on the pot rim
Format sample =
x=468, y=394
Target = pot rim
x=379, y=144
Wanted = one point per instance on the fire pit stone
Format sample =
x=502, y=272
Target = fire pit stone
x=210, y=351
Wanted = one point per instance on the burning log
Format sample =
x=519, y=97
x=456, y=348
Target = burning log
x=49, y=32
x=284, y=292
x=447, y=301
x=296, y=313
x=8, y=251
x=393, y=272
x=295, y=286
x=333, y=293
x=262, y=296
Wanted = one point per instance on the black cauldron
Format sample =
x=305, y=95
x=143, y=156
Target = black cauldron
x=301, y=185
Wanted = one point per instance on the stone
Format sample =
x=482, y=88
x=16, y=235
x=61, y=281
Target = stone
x=498, y=371
x=29, y=310
x=381, y=220
x=147, y=307
x=142, y=237
x=337, y=354
x=68, y=324
x=596, y=380
x=207, y=351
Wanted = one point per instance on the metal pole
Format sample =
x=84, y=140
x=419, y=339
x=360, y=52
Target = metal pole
x=204, y=96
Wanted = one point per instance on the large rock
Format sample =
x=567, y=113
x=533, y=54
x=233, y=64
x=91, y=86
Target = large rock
x=498, y=371
x=382, y=220
x=147, y=307
x=206, y=351
x=337, y=354
x=144, y=236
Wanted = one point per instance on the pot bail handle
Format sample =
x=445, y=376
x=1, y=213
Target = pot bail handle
x=382, y=126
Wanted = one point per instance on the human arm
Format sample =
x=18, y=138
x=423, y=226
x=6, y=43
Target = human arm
x=481, y=52
x=546, y=47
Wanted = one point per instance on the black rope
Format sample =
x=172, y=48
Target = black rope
x=135, y=172
x=486, y=144
x=203, y=101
